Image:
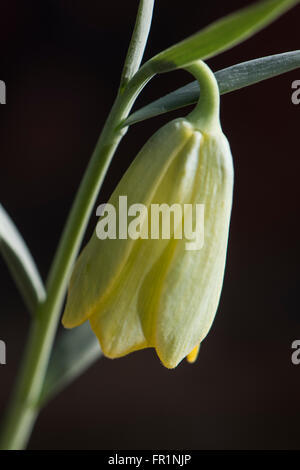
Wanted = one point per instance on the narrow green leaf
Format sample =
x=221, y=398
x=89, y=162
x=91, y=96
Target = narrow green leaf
x=229, y=79
x=254, y=71
x=138, y=41
x=20, y=262
x=74, y=352
x=219, y=36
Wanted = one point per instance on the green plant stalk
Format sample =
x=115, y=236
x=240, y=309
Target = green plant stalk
x=205, y=115
x=138, y=42
x=25, y=403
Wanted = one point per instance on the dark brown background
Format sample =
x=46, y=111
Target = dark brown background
x=61, y=62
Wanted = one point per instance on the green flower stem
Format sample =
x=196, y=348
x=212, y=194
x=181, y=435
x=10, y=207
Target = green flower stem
x=25, y=403
x=138, y=42
x=205, y=115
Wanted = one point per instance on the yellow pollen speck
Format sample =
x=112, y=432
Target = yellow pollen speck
x=192, y=356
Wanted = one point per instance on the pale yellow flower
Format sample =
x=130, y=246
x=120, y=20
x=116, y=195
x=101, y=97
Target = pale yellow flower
x=154, y=292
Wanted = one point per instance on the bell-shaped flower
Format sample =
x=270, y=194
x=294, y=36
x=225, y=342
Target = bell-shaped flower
x=152, y=273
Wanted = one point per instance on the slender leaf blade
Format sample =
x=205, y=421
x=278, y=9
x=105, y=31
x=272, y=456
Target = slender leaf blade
x=74, y=352
x=138, y=41
x=229, y=79
x=220, y=35
x=20, y=262
x=254, y=71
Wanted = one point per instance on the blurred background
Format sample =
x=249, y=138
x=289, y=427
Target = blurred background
x=61, y=61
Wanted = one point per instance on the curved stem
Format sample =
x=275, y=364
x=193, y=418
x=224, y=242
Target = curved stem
x=24, y=406
x=138, y=42
x=205, y=115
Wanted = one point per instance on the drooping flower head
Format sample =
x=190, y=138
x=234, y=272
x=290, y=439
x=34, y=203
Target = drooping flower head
x=141, y=290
